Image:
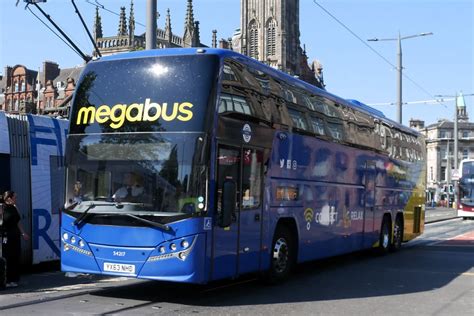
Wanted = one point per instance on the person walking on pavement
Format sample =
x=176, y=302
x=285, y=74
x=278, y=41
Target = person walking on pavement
x=12, y=234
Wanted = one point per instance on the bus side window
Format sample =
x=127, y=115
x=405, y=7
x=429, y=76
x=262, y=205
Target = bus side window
x=298, y=119
x=318, y=125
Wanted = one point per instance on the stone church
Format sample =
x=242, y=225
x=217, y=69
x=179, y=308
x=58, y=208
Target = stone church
x=269, y=32
x=126, y=40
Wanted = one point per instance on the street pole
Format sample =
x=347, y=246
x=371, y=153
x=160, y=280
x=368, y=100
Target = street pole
x=399, y=81
x=150, y=38
x=448, y=172
x=399, y=67
x=456, y=133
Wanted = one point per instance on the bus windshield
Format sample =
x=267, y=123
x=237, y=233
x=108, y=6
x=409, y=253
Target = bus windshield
x=156, y=94
x=145, y=172
x=137, y=131
x=466, y=183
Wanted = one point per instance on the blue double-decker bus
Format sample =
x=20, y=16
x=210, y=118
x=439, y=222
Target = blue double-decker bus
x=193, y=165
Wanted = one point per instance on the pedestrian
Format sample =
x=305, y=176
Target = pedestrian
x=12, y=234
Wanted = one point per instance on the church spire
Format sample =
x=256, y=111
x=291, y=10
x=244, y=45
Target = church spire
x=188, y=37
x=214, y=38
x=122, y=29
x=131, y=21
x=168, y=30
x=97, y=25
x=196, y=35
x=189, y=15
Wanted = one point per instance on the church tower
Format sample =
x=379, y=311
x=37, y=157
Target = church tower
x=461, y=108
x=270, y=33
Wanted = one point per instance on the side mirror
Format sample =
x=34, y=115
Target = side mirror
x=229, y=192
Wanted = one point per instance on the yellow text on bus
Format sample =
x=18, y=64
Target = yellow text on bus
x=149, y=111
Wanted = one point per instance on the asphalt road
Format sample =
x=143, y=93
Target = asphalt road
x=432, y=275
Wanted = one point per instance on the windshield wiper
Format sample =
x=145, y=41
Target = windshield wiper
x=84, y=214
x=155, y=224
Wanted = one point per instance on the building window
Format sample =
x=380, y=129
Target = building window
x=271, y=38
x=442, y=153
x=465, y=153
x=253, y=45
x=442, y=176
x=465, y=134
x=23, y=85
x=229, y=74
x=17, y=104
x=16, y=86
x=442, y=134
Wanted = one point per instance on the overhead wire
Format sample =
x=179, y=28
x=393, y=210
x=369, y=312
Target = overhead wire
x=97, y=4
x=373, y=50
x=53, y=31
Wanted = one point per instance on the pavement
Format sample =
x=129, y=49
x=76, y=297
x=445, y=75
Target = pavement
x=42, y=286
x=437, y=214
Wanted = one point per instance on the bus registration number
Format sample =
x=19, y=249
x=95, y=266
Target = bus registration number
x=118, y=267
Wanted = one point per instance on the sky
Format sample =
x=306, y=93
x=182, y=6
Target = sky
x=333, y=32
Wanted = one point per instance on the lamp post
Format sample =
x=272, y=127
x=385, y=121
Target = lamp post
x=399, y=66
x=150, y=37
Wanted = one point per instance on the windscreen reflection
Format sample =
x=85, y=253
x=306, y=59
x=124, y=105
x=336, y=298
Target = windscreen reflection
x=147, y=172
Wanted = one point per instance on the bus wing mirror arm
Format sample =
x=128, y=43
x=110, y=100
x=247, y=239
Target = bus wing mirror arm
x=229, y=192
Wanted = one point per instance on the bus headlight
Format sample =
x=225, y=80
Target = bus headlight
x=81, y=243
x=173, y=247
x=185, y=244
x=162, y=249
x=65, y=236
x=73, y=240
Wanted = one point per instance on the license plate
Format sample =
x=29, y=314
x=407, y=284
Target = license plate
x=119, y=267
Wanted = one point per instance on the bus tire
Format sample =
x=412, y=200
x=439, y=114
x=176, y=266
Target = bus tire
x=397, y=234
x=385, y=236
x=282, y=256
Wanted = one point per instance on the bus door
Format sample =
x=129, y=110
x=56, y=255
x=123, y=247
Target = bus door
x=236, y=247
x=251, y=210
x=369, y=203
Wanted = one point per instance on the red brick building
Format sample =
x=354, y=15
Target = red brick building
x=49, y=91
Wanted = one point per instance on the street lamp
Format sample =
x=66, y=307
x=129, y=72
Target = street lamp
x=399, y=67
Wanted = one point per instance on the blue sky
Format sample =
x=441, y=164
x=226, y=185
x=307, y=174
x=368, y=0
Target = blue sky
x=441, y=64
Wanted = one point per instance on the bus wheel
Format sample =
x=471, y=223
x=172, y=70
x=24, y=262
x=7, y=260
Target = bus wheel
x=385, y=236
x=281, y=256
x=397, y=234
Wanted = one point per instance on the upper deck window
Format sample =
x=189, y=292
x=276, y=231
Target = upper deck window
x=298, y=119
x=233, y=103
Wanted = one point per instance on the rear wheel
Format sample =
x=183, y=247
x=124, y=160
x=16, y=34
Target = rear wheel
x=282, y=256
x=385, y=236
x=397, y=234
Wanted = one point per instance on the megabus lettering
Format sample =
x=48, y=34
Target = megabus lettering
x=135, y=112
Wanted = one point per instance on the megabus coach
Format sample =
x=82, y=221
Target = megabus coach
x=193, y=165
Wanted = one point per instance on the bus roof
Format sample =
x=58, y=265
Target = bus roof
x=294, y=81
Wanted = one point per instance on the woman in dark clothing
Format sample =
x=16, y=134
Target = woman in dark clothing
x=12, y=233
